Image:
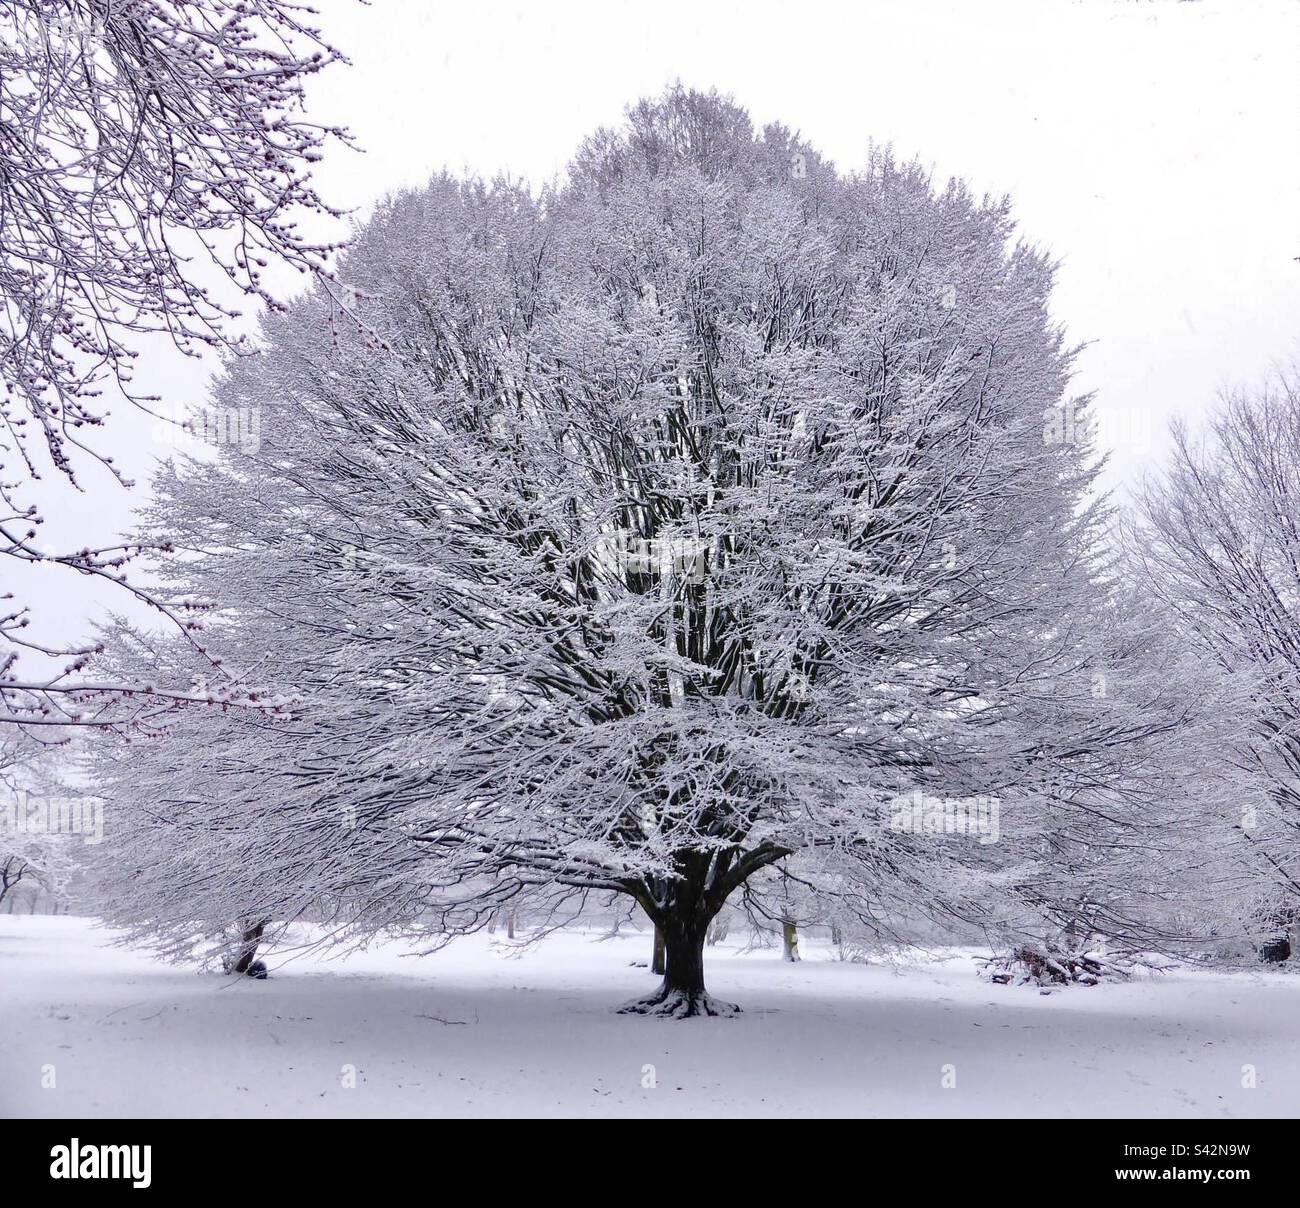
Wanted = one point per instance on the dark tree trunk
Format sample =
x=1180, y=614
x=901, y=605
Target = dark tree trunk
x=682, y=995
x=1277, y=948
x=682, y=905
x=684, y=967
x=1275, y=951
x=657, y=957
x=243, y=960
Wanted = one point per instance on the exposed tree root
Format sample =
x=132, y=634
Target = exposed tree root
x=678, y=1004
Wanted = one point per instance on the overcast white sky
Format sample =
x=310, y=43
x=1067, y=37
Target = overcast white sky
x=1153, y=146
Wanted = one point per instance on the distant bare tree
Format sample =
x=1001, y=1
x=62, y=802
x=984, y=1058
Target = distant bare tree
x=1218, y=540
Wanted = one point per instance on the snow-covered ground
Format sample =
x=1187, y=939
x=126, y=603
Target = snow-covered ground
x=484, y=1028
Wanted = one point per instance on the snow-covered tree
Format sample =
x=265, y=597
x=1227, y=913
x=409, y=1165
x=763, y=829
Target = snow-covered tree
x=154, y=162
x=38, y=851
x=698, y=513
x=20, y=858
x=226, y=823
x=1217, y=541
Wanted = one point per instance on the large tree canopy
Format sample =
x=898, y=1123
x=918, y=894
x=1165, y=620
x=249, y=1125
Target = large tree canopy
x=691, y=515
